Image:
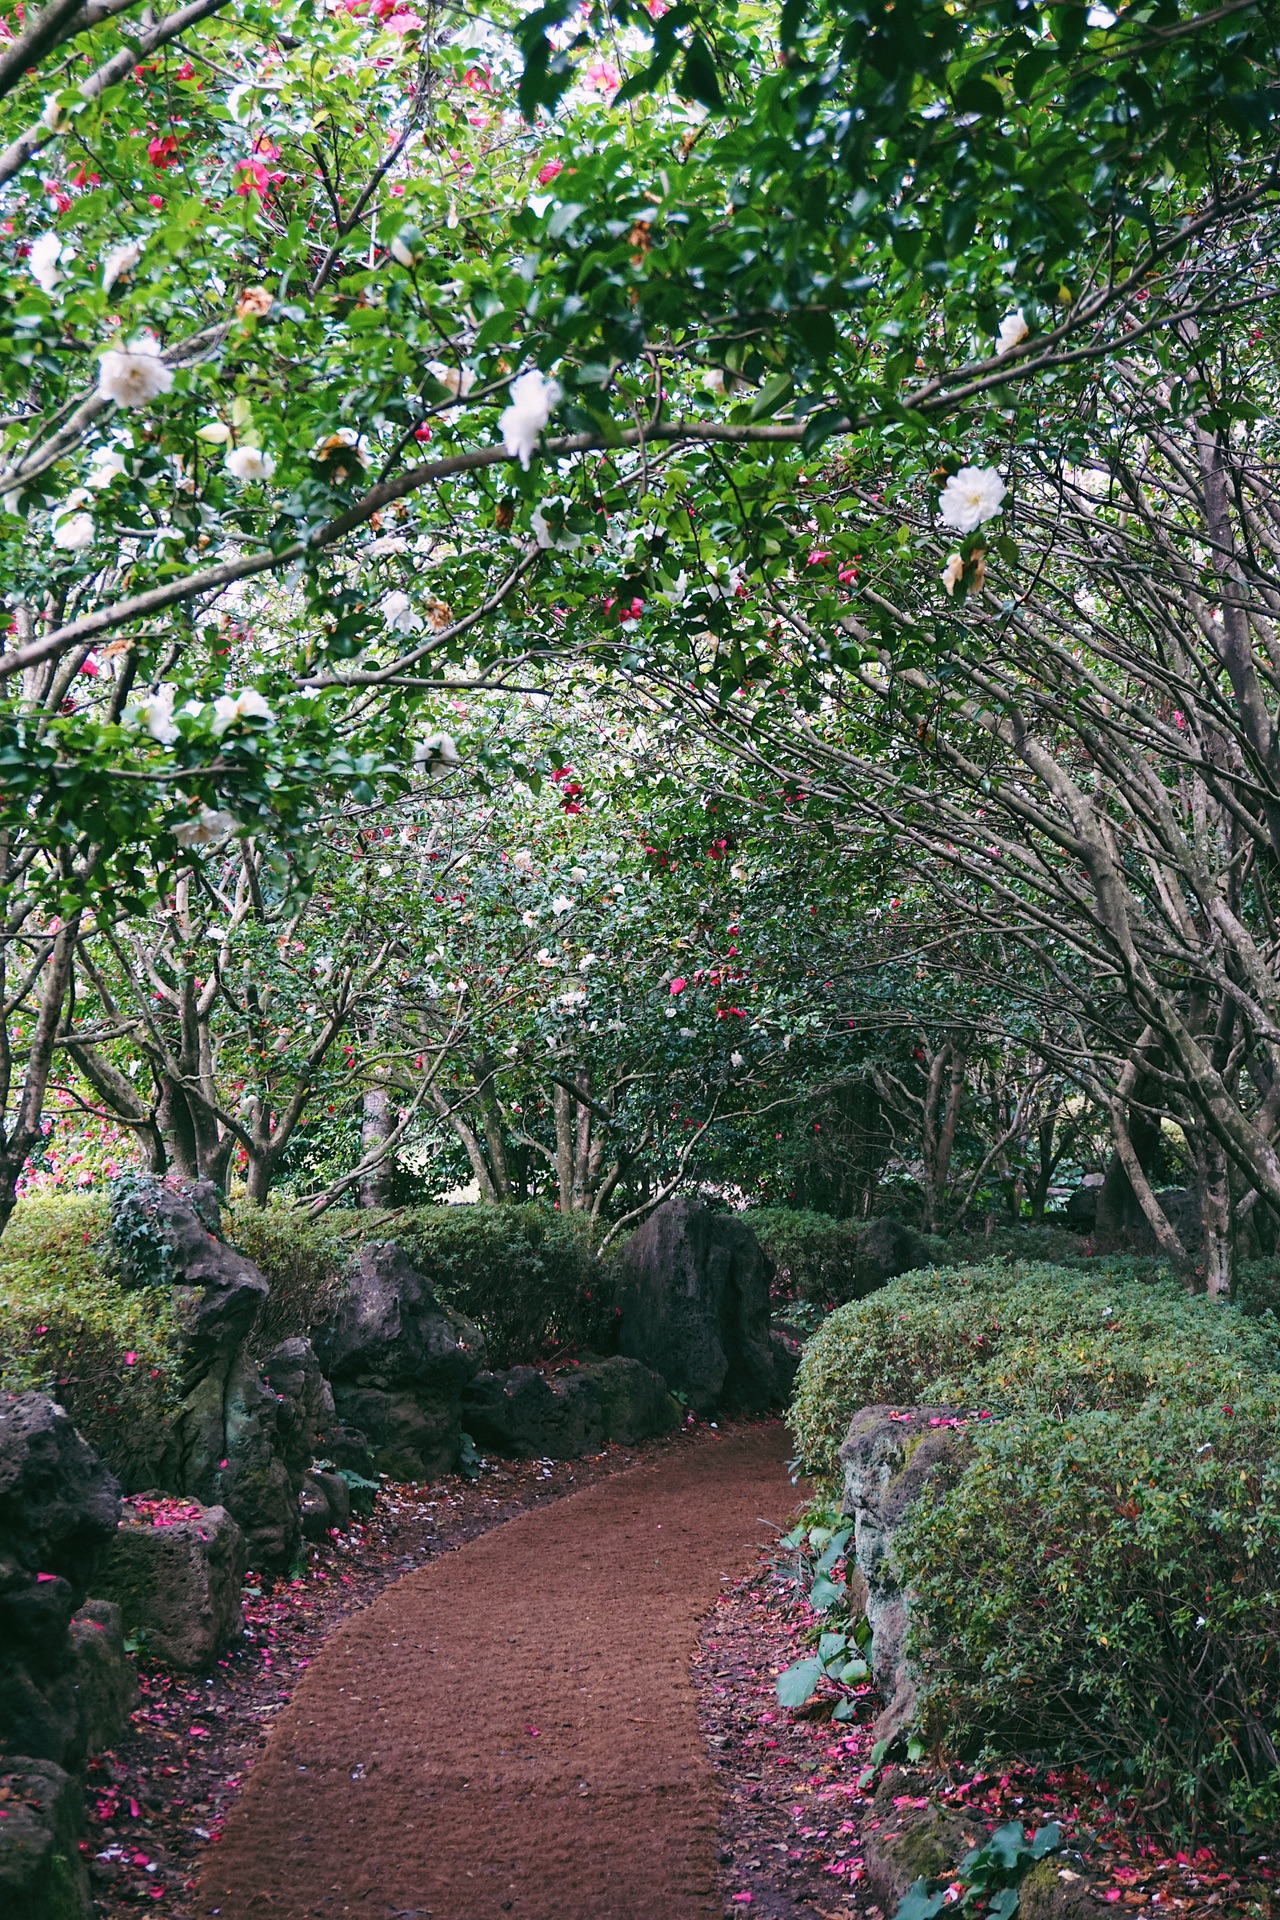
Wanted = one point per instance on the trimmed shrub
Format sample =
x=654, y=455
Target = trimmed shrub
x=305, y=1263
x=1102, y=1583
x=1106, y=1588
x=67, y=1328
x=812, y=1252
x=526, y=1276
x=1026, y=1337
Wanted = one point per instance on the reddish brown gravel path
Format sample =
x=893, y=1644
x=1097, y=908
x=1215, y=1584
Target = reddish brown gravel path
x=512, y=1729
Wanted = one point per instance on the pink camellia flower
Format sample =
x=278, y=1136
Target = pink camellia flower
x=548, y=173
x=155, y=200
x=602, y=77
x=404, y=22
x=848, y=574
x=130, y=1359
x=251, y=177
x=678, y=985
x=817, y=557
x=162, y=152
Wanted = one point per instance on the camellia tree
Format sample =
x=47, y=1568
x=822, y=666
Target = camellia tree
x=335, y=370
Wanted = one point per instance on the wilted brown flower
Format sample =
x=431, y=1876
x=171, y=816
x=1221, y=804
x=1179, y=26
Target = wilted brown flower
x=254, y=304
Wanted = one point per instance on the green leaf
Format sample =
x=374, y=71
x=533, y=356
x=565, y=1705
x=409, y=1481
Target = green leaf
x=1003, y=1904
x=919, y=1903
x=1046, y=1840
x=797, y=1684
x=830, y=1645
x=824, y=1593
x=698, y=78
x=979, y=96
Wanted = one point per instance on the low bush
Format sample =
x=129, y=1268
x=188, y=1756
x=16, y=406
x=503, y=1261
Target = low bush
x=304, y=1260
x=1106, y=1588
x=813, y=1255
x=1102, y=1583
x=1026, y=1337
x=527, y=1277
x=67, y=1328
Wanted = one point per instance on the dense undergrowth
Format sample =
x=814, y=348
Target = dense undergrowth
x=1101, y=1583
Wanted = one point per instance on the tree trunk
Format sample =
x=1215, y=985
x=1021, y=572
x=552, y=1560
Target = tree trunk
x=377, y=1126
x=939, y=1130
x=1214, y=1189
x=17, y=1142
x=562, y=1106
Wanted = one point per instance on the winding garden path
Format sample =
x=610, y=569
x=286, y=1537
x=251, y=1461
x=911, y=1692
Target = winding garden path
x=512, y=1728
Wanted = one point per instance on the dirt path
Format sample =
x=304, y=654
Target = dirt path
x=513, y=1729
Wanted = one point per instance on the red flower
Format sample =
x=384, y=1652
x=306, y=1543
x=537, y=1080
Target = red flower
x=817, y=557
x=162, y=151
x=548, y=173
x=155, y=199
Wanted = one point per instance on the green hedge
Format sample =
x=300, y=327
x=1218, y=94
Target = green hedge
x=525, y=1275
x=68, y=1329
x=1021, y=1336
x=305, y=1261
x=1102, y=1583
x=1106, y=1589
x=813, y=1254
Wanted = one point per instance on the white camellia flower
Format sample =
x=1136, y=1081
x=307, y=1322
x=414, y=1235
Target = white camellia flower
x=250, y=463
x=544, y=957
x=134, y=376
x=108, y=465
x=561, y=904
x=522, y=861
x=587, y=960
x=207, y=828
x=437, y=753
x=971, y=496
x=155, y=712
x=1013, y=331
x=459, y=380
x=397, y=610
x=528, y=918
x=736, y=1060
x=55, y=116
x=74, y=532
x=42, y=261
x=122, y=259
x=547, y=537
x=229, y=708
x=533, y=398
x=579, y=874
x=952, y=573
